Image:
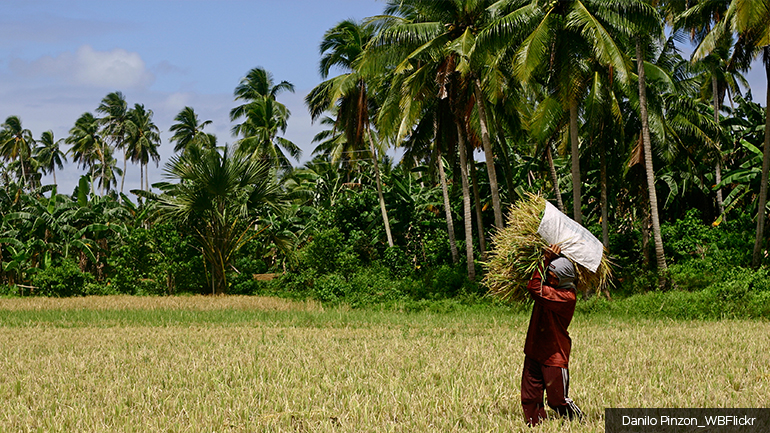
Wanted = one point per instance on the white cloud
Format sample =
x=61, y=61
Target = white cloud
x=116, y=69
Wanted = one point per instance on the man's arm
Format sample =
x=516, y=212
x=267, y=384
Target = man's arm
x=556, y=300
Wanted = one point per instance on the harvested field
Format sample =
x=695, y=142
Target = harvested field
x=308, y=369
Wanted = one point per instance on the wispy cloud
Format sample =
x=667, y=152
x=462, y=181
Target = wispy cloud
x=117, y=68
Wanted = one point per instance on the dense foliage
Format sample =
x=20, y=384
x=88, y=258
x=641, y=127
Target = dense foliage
x=661, y=159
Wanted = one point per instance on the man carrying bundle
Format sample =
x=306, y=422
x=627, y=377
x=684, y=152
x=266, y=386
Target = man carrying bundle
x=547, y=347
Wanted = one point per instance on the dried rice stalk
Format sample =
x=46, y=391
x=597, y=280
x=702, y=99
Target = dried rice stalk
x=518, y=249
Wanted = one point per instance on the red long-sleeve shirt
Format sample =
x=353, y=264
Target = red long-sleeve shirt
x=548, y=341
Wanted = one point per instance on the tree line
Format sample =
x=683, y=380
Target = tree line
x=589, y=102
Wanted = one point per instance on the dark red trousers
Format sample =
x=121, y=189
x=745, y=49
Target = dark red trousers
x=554, y=381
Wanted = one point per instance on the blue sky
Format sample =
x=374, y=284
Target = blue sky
x=58, y=59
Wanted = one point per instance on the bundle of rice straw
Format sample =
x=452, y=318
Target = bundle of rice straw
x=518, y=249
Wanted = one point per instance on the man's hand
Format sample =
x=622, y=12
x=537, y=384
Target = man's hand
x=552, y=252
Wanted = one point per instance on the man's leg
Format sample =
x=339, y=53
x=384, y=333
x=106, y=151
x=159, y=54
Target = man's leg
x=532, y=387
x=557, y=389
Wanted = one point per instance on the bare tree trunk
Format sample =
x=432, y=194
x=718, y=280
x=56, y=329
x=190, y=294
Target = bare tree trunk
x=645, y=228
x=507, y=164
x=447, y=206
x=605, y=204
x=466, y=203
x=479, y=216
x=489, y=156
x=659, y=253
x=379, y=187
x=23, y=174
x=101, y=188
x=756, y=259
x=123, y=178
x=554, y=177
x=577, y=206
x=718, y=168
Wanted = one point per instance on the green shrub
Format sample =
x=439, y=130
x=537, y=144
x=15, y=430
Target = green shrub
x=242, y=282
x=322, y=253
x=397, y=262
x=157, y=261
x=330, y=288
x=63, y=279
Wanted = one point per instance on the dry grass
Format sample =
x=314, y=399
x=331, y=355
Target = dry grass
x=189, y=303
x=399, y=373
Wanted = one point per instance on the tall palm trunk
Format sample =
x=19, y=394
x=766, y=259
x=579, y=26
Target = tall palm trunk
x=554, y=177
x=477, y=203
x=489, y=156
x=503, y=152
x=577, y=206
x=379, y=187
x=447, y=206
x=605, y=205
x=467, y=219
x=103, y=159
x=757, y=253
x=123, y=178
x=718, y=168
x=659, y=253
x=23, y=173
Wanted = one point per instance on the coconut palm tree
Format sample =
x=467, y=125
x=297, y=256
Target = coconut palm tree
x=115, y=124
x=188, y=131
x=107, y=172
x=257, y=84
x=143, y=139
x=16, y=144
x=347, y=93
x=650, y=172
x=49, y=155
x=88, y=147
x=720, y=68
x=423, y=33
x=748, y=19
x=427, y=46
x=263, y=118
x=560, y=38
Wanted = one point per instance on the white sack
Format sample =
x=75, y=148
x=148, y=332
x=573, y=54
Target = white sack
x=576, y=242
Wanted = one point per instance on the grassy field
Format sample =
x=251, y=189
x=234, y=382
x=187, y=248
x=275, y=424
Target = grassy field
x=238, y=364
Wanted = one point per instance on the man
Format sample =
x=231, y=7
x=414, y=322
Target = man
x=547, y=347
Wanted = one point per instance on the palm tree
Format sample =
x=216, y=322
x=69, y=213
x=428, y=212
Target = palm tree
x=264, y=118
x=16, y=144
x=650, y=172
x=143, y=139
x=421, y=35
x=721, y=67
x=257, y=84
x=748, y=19
x=88, y=147
x=116, y=124
x=49, y=155
x=427, y=45
x=188, y=131
x=215, y=196
x=560, y=38
x=341, y=47
x=108, y=171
